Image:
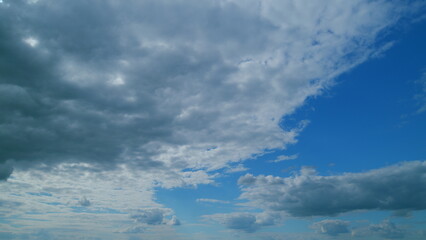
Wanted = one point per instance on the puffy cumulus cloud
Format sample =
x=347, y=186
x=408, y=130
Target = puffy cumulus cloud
x=331, y=227
x=155, y=216
x=386, y=230
x=246, y=222
x=398, y=187
x=177, y=85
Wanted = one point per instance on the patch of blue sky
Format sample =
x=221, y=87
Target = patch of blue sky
x=179, y=199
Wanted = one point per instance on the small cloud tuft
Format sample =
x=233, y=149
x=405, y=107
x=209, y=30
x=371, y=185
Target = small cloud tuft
x=84, y=202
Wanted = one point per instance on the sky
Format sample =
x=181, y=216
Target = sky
x=213, y=119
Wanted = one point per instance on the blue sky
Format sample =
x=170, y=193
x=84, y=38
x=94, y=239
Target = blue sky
x=212, y=120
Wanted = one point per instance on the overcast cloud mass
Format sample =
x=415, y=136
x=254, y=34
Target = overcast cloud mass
x=174, y=85
x=103, y=103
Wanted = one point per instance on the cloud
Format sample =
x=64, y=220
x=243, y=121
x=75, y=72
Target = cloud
x=246, y=222
x=6, y=170
x=394, y=188
x=155, y=84
x=134, y=229
x=6, y=206
x=129, y=96
x=402, y=213
x=211, y=200
x=386, y=230
x=84, y=202
x=237, y=168
x=331, y=227
x=286, y=158
x=174, y=221
x=155, y=216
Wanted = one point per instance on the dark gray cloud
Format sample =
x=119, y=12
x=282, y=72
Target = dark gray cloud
x=6, y=170
x=331, y=227
x=155, y=84
x=155, y=216
x=394, y=188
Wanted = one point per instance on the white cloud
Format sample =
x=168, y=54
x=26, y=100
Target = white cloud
x=331, y=227
x=155, y=216
x=33, y=42
x=209, y=200
x=238, y=168
x=286, y=158
x=117, y=81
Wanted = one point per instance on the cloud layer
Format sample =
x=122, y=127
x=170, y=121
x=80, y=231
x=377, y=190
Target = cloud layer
x=395, y=188
x=170, y=85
